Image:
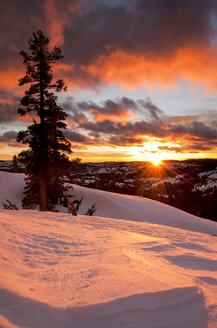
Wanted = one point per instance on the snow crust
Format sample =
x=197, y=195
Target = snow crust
x=137, y=263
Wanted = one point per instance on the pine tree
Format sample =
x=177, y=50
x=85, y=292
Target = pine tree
x=46, y=158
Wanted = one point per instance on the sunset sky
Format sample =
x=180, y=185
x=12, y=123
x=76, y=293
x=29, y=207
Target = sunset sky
x=141, y=75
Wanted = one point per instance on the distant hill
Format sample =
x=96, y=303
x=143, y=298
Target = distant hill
x=189, y=185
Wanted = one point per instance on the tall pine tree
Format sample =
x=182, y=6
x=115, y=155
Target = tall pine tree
x=46, y=158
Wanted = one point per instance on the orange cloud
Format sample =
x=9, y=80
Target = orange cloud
x=9, y=78
x=6, y=101
x=122, y=115
x=57, y=19
x=132, y=70
x=61, y=68
x=55, y=22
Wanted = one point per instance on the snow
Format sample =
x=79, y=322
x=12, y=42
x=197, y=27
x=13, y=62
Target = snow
x=159, y=181
x=209, y=186
x=210, y=182
x=210, y=174
x=12, y=186
x=137, y=263
x=137, y=208
x=213, y=176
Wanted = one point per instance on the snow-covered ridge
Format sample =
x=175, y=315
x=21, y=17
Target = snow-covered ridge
x=168, y=183
x=136, y=264
x=115, y=206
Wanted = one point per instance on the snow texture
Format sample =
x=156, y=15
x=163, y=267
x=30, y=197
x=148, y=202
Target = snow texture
x=137, y=263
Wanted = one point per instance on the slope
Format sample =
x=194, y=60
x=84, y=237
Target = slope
x=145, y=266
x=86, y=272
x=113, y=205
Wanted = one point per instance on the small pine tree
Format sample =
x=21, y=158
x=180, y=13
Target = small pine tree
x=46, y=158
x=91, y=210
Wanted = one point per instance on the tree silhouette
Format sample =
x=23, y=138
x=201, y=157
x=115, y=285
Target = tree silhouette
x=46, y=158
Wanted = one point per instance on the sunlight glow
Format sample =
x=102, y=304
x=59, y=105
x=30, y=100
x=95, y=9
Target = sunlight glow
x=156, y=159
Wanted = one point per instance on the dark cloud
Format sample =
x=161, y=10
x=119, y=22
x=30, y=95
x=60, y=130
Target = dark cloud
x=115, y=110
x=109, y=106
x=89, y=129
x=8, y=136
x=108, y=122
x=196, y=129
x=116, y=41
x=189, y=148
x=73, y=111
x=126, y=141
x=75, y=136
x=129, y=129
x=90, y=29
x=146, y=26
x=152, y=109
x=122, y=132
x=8, y=106
x=8, y=113
x=5, y=95
x=18, y=19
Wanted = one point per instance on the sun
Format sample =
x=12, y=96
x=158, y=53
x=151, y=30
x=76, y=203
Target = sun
x=156, y=162
x=156, y=159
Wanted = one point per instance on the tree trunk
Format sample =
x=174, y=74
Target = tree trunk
x=42, y=140
x=42, y=195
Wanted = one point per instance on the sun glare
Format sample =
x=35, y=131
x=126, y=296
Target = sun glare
x=156, y=159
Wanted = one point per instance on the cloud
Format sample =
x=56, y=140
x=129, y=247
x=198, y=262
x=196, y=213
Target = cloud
x=125, y=141
x=76, y=137
x=18, y=20
x=8, y=135
x=182, y=119
x=103, y=124
x=146, y=27
x=187, y=148
x=117, y=110
x=9, y=138
x=117, y=133
x=110, y=123
x=153, y=43
x=8, y=112
x=58, y=18
x=147, y=42
x=152, y=109
x=139, y=128
x=195, y=129
x=160, y=72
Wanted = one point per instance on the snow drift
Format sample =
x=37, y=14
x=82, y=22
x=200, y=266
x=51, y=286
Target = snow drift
x=147, y=265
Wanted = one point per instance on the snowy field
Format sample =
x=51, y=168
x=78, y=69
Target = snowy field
x=136, y=263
